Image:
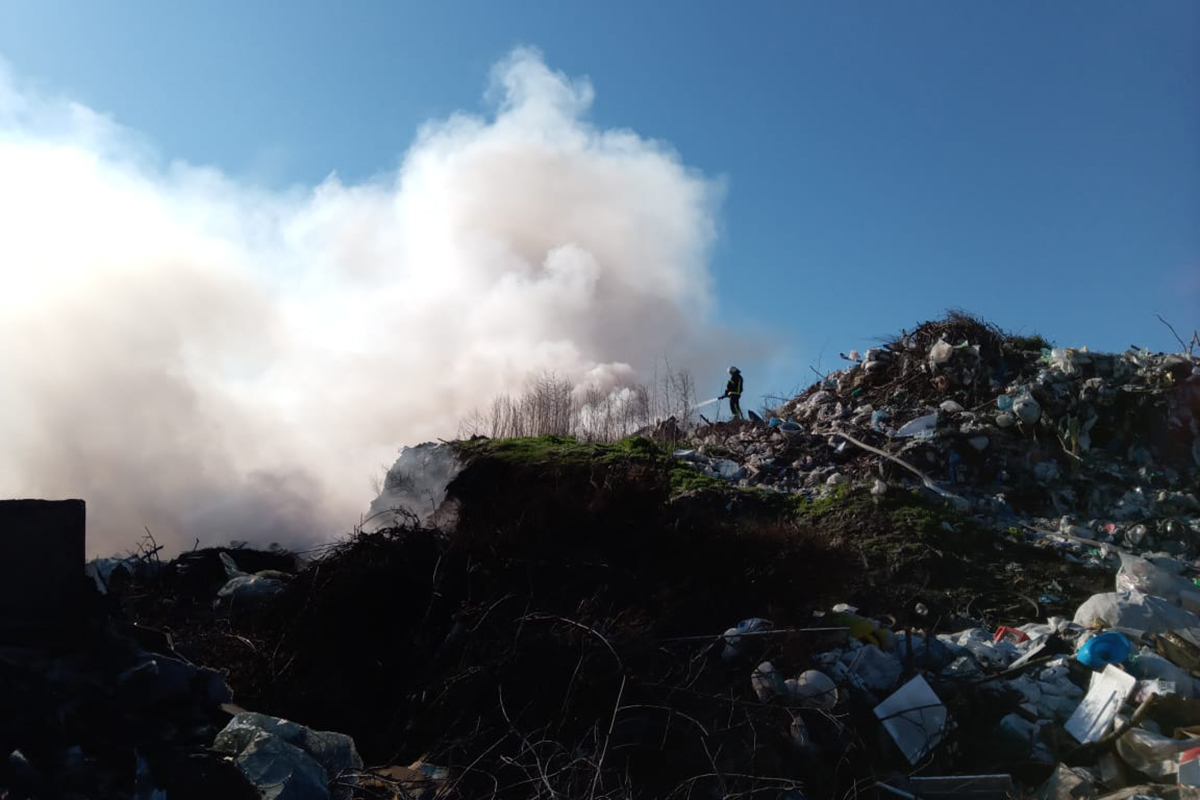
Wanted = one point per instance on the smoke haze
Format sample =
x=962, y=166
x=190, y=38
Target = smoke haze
x=212, y=360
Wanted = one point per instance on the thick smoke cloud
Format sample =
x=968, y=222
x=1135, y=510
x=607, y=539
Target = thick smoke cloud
x=211, y=360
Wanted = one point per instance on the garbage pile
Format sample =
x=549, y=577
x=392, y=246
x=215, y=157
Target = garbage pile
x=1081, y=449
x=993, y=593
x=1105, y=704
x=1110, y=698
x=1093, y=455
x=94, y=705
x=119, y=713
x=111, y=712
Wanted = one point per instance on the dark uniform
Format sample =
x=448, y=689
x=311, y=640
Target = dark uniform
x=733, y=390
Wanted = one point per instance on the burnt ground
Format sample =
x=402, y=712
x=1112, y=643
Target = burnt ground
x=561, y=637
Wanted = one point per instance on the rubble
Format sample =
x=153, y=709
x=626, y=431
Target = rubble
x=1027, y=436
x=94, y=715
x=1095, y=456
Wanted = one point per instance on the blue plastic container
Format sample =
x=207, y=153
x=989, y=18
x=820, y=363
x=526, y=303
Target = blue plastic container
x=1106, y=648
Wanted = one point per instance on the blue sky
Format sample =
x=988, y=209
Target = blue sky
x=1037, y=163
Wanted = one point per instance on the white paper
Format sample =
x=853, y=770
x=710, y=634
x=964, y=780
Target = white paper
x=1104, y=699
x=915, y=718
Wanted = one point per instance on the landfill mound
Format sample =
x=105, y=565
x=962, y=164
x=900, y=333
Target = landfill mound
x=963, y=566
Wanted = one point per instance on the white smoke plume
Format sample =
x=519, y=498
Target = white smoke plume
x=215, y=361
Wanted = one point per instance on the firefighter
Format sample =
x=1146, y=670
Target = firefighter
x=733, y=390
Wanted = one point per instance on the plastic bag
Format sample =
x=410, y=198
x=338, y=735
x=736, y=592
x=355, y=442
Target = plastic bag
x=286, y=760
x=767, y=682
x=1070, y=361
x=729, y=470
x=919, y=428
x=940, y=352
x=1140, y=574
x=814, y=689
x=987, y=652
x=1152, y=754
x=734, y=647
x=879, y=671
x=1137, y=611
x=1027, y=409
x=1149, y=665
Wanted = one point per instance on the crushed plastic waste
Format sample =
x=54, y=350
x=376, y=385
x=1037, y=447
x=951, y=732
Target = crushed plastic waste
x=815, y=689
x=736, y=641
x=919, y=428
x=767, y=682
x=244, y=591
x=1138, y=611
x=728, y=470
x=876, y=670
x=287, y=761
x=106, y=571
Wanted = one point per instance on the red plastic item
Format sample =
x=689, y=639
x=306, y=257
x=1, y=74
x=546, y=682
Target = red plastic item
x=1004, y=632
x=1189, y=767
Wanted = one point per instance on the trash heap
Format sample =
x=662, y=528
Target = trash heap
x=1093, y=455
x=1110, y=698
x=117, y=712
x=108, y=712
x=1105, y=704
x=96, y=705
x=964, y=565
x=1079, y=449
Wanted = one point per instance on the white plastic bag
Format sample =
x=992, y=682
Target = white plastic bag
x=814, y=689
x=940, y=352
x=1138, y=611
x=1140, y=574
x=767, y=682
x=1152, y=754
x=919, y=428
x=1027, y=409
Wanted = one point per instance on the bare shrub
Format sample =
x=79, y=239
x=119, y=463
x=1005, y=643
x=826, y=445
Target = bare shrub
x=555, y=406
